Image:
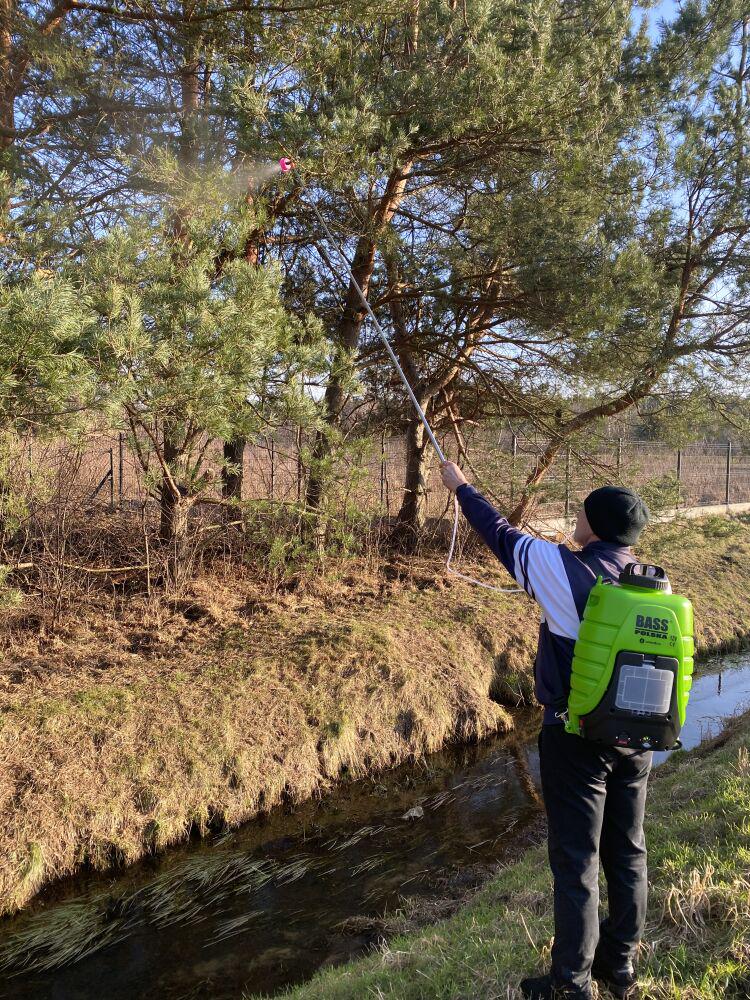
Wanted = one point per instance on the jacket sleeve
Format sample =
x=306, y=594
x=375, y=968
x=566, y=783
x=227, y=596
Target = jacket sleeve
x=495, y=531
x=536, y=565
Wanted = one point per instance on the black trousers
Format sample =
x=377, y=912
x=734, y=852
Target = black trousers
x=595, y=799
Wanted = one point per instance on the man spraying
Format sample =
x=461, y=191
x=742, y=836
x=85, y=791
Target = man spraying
x=594, y=795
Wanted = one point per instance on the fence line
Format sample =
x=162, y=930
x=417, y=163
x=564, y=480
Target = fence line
x=370, y=476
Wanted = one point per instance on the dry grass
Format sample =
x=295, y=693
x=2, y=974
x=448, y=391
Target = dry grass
x=124, y=732
x=696, y=900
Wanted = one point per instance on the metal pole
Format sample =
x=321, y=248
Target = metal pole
x=111, y=480
x=567, y=483
x=514, y=452
x=679, y=476
x=382, y=467
x=273, y=468
x=728, y=476
x=619, y=458
x=120, y=466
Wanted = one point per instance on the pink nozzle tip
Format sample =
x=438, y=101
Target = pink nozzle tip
x=286, y=164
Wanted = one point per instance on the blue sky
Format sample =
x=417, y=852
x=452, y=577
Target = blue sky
x=663, y=11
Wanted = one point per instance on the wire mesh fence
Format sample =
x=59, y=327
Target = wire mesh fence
x=106, y=469
x=704, y=473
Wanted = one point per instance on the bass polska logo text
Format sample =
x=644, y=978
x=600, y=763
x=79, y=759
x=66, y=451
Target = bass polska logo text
x=656, y=628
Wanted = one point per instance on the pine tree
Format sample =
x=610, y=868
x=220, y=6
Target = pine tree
x=185, y=355
x=685, y=320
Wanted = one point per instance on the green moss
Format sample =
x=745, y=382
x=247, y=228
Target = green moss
x=33, y=864
x=333, y=729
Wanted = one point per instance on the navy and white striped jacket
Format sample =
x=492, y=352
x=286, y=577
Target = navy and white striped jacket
x=557, y=578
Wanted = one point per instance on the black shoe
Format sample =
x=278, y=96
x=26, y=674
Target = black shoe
x=538, y=988
x=620, y=983
x=542, y=988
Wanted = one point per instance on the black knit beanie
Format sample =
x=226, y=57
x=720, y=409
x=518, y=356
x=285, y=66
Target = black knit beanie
x=616, y=514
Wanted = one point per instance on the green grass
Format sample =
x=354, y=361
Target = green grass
x=697, y=943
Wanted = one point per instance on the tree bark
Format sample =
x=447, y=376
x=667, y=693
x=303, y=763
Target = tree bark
x=232, y=479
x=7, y=94
x=174, y=511
x=174, y=517
x=412, y=516
x=175, y=523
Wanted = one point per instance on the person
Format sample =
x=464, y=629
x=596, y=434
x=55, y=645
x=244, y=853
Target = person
x=594, y=796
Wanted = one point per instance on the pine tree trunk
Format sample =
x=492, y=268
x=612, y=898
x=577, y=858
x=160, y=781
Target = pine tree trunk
x=413, y=514
x=174, y=503
x=232, y=479
x=173, y=520
x=174, y=529
x=7, y=93
x=7, y=16
x=174, y=513
x=350, y=325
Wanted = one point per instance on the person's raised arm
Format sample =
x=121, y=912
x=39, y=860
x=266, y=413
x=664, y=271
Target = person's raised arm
x=495, y=531
x=535, y=564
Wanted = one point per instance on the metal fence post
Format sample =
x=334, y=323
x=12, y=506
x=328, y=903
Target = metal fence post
x=728, y=476
x=273, y=468
x=111, y=480
x=382, y=467
x=514, y=452
x=619, y=458
x=567, y=483
x=679, y=477
x=120, y=466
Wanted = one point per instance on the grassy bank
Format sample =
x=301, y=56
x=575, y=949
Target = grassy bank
x=126, y=729
x=697, y=942
x=124, y=735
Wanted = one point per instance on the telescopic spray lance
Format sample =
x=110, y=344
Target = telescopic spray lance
x=286, y=165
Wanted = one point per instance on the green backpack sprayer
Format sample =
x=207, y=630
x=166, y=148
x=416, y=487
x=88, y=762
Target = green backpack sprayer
x=632, y=663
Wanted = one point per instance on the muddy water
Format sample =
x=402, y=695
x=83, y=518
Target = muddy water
x=267, y=905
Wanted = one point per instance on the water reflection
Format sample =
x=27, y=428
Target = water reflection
x=720, y=692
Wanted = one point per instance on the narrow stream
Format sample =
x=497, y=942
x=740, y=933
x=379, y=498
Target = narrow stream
x=265, y=906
